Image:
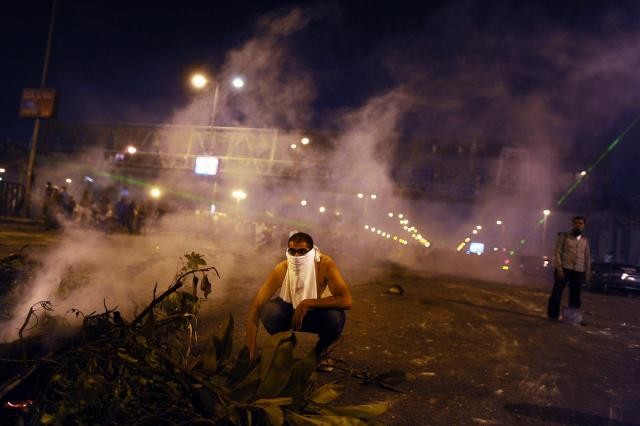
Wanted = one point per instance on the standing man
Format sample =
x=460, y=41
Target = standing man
x=313, y=297
x=573, y=266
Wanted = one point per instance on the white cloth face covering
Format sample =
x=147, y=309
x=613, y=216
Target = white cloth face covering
x=300, y=280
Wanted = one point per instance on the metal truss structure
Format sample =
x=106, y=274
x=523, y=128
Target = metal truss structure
x=453, y=170
x=242, y=151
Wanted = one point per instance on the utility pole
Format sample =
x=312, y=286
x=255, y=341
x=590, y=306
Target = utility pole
x=36, y=126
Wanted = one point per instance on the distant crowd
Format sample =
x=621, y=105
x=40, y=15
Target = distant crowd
x=59, y=206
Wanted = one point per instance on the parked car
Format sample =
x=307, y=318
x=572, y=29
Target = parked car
x=614, y=276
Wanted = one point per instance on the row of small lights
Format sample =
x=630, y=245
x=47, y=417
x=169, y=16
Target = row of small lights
x=475, y=231
x=385, y=234
x=403, y=221
x=321, y=209
x=478, y=228
x=411, y=229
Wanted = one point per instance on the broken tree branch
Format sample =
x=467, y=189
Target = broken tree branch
x=172, y=289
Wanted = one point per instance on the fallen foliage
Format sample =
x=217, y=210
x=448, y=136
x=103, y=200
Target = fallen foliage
x=146, y=371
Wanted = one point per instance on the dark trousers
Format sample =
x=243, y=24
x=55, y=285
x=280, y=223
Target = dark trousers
x=575, y=280
x=277, y=316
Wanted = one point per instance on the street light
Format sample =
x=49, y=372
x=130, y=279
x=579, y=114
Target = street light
x=366, y=199
x=238, y=195
x=155, y=192
x=546, y=214
x=199, y=81
x=305, y=141
x=499, y=223
x=132, y=149
x=238, y=82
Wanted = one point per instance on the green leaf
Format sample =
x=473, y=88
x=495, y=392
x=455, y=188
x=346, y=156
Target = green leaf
x=217, y=344
x=273, y=401
x=242, y=365
x=365, y=412
x=205, y=286
x=301, y=373
x=47, y=419
x=270, y=349
x=275, y=367
x=274, y=414
x=315, y=420
x=123, y=354
x=246, y=389
x=227, y=339
x=327, y=393
x=390, y=387
x=209, y=360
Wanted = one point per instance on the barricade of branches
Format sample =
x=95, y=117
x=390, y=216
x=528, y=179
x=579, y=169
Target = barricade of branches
x=147, y=371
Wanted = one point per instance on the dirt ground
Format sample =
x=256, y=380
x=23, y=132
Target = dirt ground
x=484, y=353
x=480, y=352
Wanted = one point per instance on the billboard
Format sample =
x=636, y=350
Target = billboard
x=207, y=165
x=477, y=248
x=37, y=103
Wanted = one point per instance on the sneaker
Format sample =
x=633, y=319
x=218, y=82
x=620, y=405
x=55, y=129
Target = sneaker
x=326, y=365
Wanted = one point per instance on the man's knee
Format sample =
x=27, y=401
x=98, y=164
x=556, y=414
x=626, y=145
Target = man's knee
x=333, y=321
x=275, y=316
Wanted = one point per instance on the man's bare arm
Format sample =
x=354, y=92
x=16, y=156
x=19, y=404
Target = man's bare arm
x=340, y=298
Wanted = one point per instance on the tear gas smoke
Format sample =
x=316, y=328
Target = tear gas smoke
x=470, y=103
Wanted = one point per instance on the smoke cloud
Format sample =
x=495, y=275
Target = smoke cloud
x=541, y=95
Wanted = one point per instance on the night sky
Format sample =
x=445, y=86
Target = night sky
x=560, y=74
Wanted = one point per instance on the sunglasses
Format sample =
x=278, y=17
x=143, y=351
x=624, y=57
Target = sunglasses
x=298, y=251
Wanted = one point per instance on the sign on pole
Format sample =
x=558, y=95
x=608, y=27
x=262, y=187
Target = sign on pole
x=37, y=103
x=207, y=165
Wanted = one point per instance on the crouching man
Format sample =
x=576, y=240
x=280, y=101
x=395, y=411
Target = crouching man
x=313, y=297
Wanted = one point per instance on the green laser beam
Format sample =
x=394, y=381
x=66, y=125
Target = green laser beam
x=593, y=165
x=601, y=157
x=190, y=196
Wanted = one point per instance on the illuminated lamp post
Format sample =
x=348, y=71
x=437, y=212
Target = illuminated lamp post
x=501, y=225
x=546, y=214
x=238, y=195
x=199, y=81
x=155, y=192
x=366, y=198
